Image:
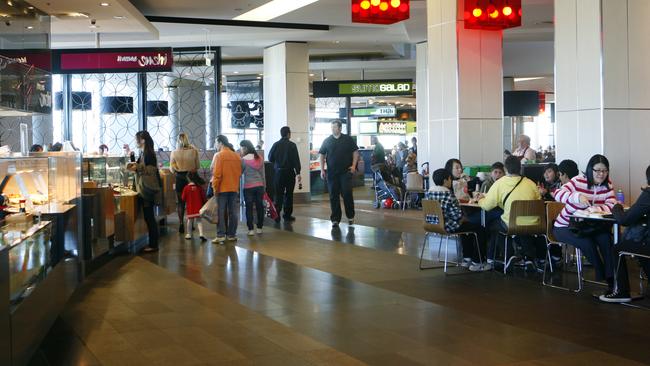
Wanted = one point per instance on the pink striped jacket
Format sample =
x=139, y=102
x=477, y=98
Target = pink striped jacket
x=602, y=197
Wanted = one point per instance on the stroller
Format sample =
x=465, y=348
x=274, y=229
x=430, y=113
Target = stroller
x=386, y=192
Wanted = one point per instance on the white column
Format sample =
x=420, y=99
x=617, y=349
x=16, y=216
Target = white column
x=286, y=101
x=422, y=99
x=602, y=99
x=465, y=88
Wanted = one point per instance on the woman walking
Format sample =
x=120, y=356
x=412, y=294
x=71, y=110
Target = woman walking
x=254, y=183
x=184, y=160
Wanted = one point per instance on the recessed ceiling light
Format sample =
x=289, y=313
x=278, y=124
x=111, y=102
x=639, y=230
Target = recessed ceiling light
x=10, y=3
x=119, y=17
x=29, y=27
x=93, y=26
x=235, y=72
x=78, y=15
x=311, y=74
x=273, y=9
x=104, y=4
x=259, y=78
x=30, y=7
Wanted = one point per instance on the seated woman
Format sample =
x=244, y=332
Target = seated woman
x=592, y=192
x=636, y=243
x=459, y=179
x=550, y=183
x=455, y=222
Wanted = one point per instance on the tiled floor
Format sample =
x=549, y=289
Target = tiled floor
x=306, y=295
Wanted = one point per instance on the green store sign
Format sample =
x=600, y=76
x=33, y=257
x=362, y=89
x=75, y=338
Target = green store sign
x=374, y=88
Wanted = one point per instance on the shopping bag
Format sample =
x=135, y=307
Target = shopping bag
x=210, y=210
x=271, y=211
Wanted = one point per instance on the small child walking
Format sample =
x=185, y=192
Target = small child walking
x=194, y=197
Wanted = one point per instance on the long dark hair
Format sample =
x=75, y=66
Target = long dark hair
x=449, y=166
x=223, y=140
x=589, y=171
x=148, y=152
x=249, y=148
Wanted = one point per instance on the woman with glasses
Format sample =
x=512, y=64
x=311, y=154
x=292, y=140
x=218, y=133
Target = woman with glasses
x=592, y=192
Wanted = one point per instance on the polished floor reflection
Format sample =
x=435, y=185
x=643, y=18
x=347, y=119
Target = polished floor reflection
x=305, y=294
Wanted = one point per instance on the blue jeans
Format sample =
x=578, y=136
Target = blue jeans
x=597, y=249
x=228, y=216
x=253, y=196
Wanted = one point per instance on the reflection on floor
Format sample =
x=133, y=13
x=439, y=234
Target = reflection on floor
x=303, y=294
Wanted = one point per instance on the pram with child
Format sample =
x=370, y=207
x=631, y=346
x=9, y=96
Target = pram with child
x=388, y=187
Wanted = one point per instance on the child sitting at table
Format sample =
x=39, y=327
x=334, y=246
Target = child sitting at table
x=550, y=183
x=497, y=171
x=442, y=192
x=194, y=197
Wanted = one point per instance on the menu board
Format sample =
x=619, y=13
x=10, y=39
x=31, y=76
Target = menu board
x=392, y=128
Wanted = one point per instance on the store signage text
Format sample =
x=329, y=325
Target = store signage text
x=376, y=89
x=111, y=60
x=392, y=128
x=374, y=112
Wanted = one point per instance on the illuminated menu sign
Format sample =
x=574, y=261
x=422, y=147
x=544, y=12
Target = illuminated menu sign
x=363, y=88
x=392, y=128
x=108, y=60
x=374, y=112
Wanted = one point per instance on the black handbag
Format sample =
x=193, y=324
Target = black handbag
x=588, y=228
x=638, y=232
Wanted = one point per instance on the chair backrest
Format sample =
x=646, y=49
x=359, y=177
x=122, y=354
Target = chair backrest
x=414, y=181
x=553, y=210
x=434, y=219
x=533, y=210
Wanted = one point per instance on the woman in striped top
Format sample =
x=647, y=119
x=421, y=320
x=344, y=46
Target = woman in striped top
x=591, y=191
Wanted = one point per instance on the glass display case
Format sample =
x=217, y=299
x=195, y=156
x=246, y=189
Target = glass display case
x=29, y=256
x=107, y=171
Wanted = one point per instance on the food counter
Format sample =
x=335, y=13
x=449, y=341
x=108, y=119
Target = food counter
x=117, y=217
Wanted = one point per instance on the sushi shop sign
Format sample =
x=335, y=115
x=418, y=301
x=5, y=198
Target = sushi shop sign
x=113, y=60
x=364, y=88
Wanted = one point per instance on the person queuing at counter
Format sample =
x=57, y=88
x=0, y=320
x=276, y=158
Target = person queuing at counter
x=497, y=171
x=567, y=170
x=193, y=198
x=512, y=187
x=286, y=165
x=146, y=174
x=225, y=185
x=523, y=151
x=184, y=160
x=592, y=192
x=342, y=155
x=550, y=183
x=635, y=240
x=254, y=186
x=455, y=222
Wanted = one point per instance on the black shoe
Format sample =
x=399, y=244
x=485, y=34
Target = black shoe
x=351, y=222
x=335, y=224
x=277, y=219
x=181, y=229
x=290, y=219
x=203, y=238
x=615, y=297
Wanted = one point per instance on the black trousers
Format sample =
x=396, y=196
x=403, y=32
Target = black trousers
x=525, y=246
x=622, y=278
x=469, y=246
x=285, y=182
x=152, y=224
x=340, y=185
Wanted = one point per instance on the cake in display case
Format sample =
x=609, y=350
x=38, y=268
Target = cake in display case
x=107, y=171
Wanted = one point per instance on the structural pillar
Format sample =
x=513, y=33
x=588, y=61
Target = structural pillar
x=602, y=98
x=286, y=102
x=465, y=88
x=422, y=101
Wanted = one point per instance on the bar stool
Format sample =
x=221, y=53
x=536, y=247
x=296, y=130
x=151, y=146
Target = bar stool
x=434, y=224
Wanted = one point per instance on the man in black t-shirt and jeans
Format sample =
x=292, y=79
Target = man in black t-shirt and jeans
x=342, y=155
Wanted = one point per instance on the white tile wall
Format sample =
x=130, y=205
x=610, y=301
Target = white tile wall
x=616, y=137
x=639, y=148
x=589, y=54
x=491, y=75
x=435, y=72
x=449, y=70
x=422, y=97
x=566, y=82
x=639, y=48
x=615, y=54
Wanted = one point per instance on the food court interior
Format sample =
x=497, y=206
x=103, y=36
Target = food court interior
x=415, y=83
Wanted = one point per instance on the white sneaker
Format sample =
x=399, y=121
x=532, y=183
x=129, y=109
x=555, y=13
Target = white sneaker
x=478, y=267
x=258, y=231
x=188, y=236
x=467, y=262
x=219, y=240
x=251, y=232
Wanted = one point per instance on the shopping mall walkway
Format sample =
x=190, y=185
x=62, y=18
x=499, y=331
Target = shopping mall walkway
x=304, y=294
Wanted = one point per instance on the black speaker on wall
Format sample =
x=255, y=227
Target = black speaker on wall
x=120, y=105
x=157, y=108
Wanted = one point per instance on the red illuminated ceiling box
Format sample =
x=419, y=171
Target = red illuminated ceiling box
x=492, y=14
x=380, y=11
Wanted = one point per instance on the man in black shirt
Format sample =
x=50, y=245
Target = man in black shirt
x=342, y=155
x=286, y=163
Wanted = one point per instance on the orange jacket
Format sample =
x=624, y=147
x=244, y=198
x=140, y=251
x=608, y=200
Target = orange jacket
x=227, y=171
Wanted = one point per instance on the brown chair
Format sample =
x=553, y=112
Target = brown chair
x=523, y=208
x=434, y=224
x=414, y=184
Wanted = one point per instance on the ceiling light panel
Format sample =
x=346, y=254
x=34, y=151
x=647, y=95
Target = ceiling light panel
x=273, y=9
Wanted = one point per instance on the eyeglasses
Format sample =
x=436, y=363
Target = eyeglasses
x=604, y=171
